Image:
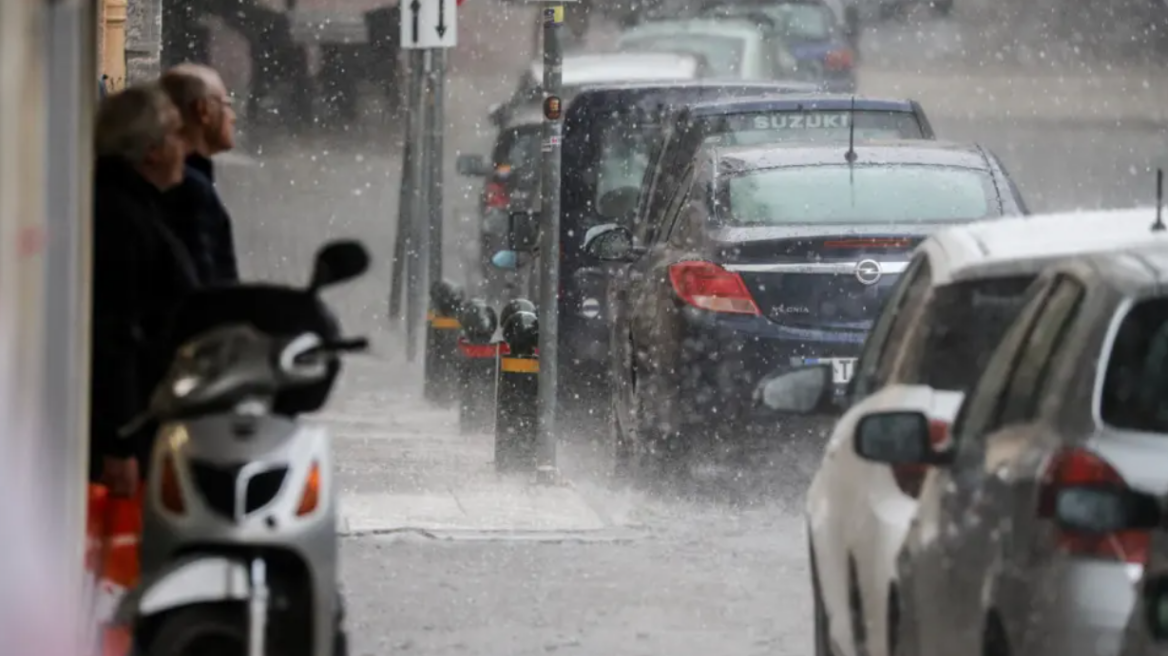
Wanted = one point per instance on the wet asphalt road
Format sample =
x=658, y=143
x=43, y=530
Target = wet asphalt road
x=711, y=574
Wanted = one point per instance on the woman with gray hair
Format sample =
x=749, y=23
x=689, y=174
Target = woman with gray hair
x=140, y=271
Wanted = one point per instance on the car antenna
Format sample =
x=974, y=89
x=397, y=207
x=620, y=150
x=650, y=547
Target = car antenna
x=1159, y=226
x=851, y=154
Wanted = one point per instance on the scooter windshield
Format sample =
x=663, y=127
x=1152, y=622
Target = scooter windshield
x=218, y=368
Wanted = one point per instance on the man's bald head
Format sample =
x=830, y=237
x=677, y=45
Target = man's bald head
x=201, y=97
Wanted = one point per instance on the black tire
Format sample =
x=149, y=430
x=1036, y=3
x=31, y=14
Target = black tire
x=822, y=635
x=340, y=643
x=892, y=630
x=623, y=449
x=856, y=611
x=994, y=641
x=207, y=630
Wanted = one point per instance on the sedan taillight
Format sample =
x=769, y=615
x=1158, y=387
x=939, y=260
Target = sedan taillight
x=1079, y=467
x=710, y=287
x=495, y=196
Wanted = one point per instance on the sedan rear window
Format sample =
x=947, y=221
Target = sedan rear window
x=519, y=147
x=857, y=194
x=1135, y=389
x=962, y=325
x=722, y=55
x=809, y=126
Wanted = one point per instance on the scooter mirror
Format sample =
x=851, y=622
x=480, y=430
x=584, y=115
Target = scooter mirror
x=337, y=262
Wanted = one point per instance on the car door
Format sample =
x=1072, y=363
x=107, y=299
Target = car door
x=644, y=284
x=1014, y=452
x=947, y=591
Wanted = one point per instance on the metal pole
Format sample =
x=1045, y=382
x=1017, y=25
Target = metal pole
x=437, y=92
x=549, y=248
x=397, y=283
x=415, y=293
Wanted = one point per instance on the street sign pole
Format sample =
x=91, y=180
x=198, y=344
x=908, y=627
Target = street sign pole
x=415, y=290
x=436, y=92
x=428, y=28
x=402, y=236
x=552, y=16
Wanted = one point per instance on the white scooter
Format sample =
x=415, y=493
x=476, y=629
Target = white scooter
x=239, y=543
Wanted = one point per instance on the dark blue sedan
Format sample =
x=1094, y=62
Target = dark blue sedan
x=768, y=256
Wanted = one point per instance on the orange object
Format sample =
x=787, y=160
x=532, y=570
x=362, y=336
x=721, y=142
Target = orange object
x=311, y=495
x=113, y=527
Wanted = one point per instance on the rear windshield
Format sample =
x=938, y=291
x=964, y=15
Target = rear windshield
x=798, y=21
x=859, y=194
x=518, y=148
x=963, y=324
x=720, y=55
x=811, y=126
x=1135, y=390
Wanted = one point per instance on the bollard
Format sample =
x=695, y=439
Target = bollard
x=517, y=389
x=440, y=377
x=477, y=367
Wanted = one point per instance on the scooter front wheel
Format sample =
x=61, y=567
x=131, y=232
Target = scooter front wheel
x=199, y=631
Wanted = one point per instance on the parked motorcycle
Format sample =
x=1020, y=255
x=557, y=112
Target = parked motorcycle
x=239, y=541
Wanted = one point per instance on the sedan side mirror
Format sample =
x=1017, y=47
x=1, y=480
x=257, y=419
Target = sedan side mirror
x=472, y=166
x=609, y=242
x=897, y=438
x=802, y=391
x=1103, y=509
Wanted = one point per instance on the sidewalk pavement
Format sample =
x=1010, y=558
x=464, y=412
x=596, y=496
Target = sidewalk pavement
x=404, y=467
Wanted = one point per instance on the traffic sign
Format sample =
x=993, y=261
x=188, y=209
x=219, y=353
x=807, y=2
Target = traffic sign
x=429, y=24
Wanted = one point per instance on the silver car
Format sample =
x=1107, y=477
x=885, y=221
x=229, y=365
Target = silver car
x=1073, y=395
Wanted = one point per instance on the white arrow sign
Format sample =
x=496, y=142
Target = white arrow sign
x=429, y=24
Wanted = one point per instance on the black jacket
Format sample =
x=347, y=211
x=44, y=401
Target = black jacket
x=199, y=219
x=140, y=273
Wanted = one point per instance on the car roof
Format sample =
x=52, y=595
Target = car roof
x=927, y=153
x=525, y=117
x=729, y=26
x=800, y=101
x=1027, y=244
x=1134, y=270
x=778, y=86
x=579, y=70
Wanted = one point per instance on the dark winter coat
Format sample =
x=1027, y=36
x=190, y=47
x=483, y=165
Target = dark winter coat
x=197, y=216
x=140, y=273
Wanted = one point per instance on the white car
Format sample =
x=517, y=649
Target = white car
x=957, y=296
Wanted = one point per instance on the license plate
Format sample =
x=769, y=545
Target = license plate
x=841, y=368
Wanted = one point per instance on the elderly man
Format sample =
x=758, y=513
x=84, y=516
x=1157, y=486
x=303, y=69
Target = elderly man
x=196, y=213
x=140, y=271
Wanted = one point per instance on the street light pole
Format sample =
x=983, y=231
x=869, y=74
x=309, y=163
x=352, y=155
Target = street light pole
x=549, y=247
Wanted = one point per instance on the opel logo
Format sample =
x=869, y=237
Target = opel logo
x=868, y=272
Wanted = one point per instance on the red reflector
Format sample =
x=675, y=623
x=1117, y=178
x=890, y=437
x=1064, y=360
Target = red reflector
x=478, y=350
x=868, y=243
x=1076, y=467
x=708, y=286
